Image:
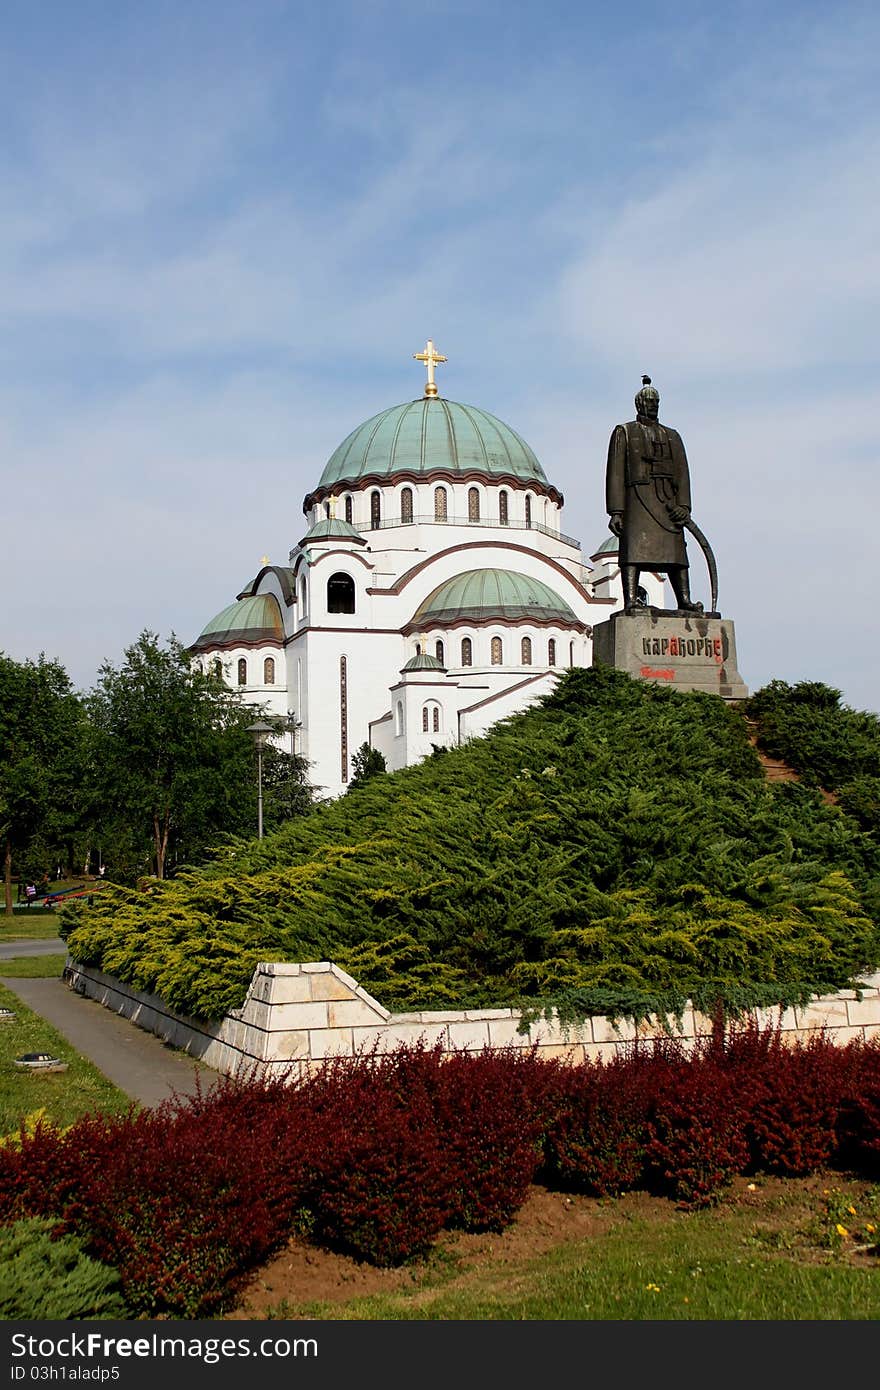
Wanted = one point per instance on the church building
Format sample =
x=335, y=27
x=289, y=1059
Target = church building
x=432, y=593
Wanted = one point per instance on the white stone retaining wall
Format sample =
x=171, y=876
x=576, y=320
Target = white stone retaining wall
x=296, y=1016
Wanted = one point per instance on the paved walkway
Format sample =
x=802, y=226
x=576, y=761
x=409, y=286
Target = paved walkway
x=40, y=946
x=139, y=1063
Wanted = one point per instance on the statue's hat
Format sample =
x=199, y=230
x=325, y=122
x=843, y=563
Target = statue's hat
x=647, y=393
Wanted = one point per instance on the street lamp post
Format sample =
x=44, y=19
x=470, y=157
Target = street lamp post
x=260, y=732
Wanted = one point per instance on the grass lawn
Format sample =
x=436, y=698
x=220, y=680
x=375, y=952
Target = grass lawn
x=64, y=1095
x=32, y=967
x=774, y=1253
x=31, y=924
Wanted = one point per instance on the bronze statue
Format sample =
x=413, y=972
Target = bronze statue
x=648, y=496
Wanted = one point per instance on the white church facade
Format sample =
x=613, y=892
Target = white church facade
x=433, y=592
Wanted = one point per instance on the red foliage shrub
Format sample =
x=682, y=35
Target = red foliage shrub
x=596, y=1139
x=377, y=1184
x=697, y=1138
x=858, y=1121
x=39, y=1176
x=490, y=1134
x=793, y=1092
x=182, y=1199
x=377, y=1153
x=205, y=1196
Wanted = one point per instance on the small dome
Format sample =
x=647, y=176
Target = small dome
x=283, y=573
x=610, y=546
x=429, y=435
x=493, y=594
x=423, y=661
x=247, y=622
x=332, y=528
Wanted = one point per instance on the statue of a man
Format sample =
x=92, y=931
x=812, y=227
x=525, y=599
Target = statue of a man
x=648, y=496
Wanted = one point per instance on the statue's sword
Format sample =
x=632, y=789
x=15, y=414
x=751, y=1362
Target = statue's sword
x=690, y=525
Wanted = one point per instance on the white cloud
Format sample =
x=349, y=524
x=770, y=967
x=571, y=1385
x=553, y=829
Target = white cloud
x=734, y=266
x=206, y=291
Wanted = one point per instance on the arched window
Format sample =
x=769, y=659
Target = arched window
x=406, y=513
x=375, y=509
x=473, y=504
x=435, y=722
x=242, y=671
x=526, y=653
x=217, y=667
x=348, y=510
x=425, y=719
x=528, y=510
x=340, y=594
x=551, y=652
x=327, y=510
x=497, y=652
x=269, y=671
x=467, y=652
x=438, y=652
x=398, y=718
x=439, y=503
x=502, y=507
x=302, y=597
x=571, y=653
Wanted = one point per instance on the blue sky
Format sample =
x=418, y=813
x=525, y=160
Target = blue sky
x=226, y=228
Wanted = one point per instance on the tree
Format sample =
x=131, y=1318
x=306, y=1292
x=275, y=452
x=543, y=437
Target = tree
x=42, y=728
x=286, y=789
x=172, y=759
x=367, y=762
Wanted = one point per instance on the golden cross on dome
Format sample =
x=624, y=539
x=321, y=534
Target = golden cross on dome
x=332, y=507
x=264, y=560
x=430, y=359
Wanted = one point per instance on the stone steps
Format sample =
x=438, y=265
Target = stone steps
x=775, y=770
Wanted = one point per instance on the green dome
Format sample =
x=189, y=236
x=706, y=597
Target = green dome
x=333, y=528
x=610, y=546
x=493, y=594
x=423, y=661
x=428, y=435
x=248, y=621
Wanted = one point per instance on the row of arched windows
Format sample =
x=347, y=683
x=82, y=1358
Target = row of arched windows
x=496, y=652
x=268, y=670
x=441, y=507
x=431, y=719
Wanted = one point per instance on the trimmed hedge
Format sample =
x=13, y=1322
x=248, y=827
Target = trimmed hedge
x=376, y=1155
x=614, y=850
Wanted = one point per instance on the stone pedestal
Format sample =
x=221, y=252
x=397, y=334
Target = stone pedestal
x=686, y=652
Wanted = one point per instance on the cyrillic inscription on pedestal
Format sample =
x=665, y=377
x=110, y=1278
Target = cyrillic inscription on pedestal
x=688, y=652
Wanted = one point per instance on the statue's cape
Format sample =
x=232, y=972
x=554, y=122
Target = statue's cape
x=658, y=484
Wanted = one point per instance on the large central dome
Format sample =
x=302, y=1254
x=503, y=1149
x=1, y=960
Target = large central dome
x=481, y=595
x=427, y=436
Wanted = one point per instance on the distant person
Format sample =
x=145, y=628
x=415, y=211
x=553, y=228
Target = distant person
x=30, y=893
